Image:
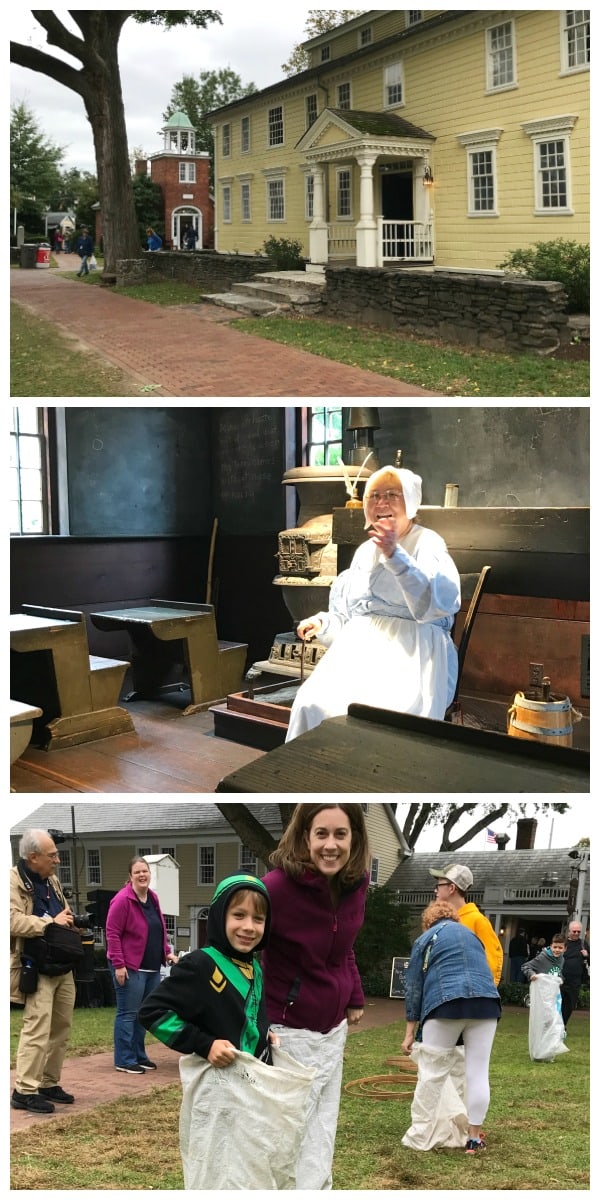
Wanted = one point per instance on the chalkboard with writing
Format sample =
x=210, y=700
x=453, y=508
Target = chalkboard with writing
x=248, y=458
x=398, y=979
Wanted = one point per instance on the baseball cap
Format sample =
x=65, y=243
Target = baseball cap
x=454, y=873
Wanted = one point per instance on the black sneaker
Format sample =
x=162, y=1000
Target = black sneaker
x=134, y=1070
x=146, y=1065
x=473, y=1146
x=57, y=1094
x=31, y=1102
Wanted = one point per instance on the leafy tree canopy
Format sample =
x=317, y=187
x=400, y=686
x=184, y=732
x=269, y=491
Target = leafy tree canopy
x=197, y=96
x=34, y=161
x=319, y=20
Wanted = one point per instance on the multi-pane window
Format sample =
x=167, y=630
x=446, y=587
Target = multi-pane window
x=276, y=126
x=28, y=505
x=170, y=928
x=168, y=850
x=374, y=873
x=311, y=109
x=65, y=871
x=343, y=95
x=275, y=200
x=576, y=38
x=324, y=448
x=248, y=861
x=482, y=198
x=500, y=56
x=94, y=870
x=245, y=201
x=325, y=53
x=344, y=192
x=415, y=15
x=187, y=172
x=393, y=90
x=144, y=850
x=206, y=865
x=226, y=141
x=245, y=134
x=365, y=36
x=552, y=174
x=226, y=195
x=309, y=197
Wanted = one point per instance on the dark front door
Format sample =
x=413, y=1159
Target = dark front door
x=397, y=196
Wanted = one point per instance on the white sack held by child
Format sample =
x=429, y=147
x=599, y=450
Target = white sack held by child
x=240, y=1127
x=546, y=1028
x=438, y=1112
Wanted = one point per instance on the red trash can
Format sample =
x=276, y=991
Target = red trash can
x=42, y=258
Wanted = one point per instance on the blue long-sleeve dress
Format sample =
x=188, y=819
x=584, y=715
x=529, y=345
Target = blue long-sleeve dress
x=388, y=633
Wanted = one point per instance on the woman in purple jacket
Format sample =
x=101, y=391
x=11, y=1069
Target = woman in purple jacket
x=312, y=984
x=137, y=947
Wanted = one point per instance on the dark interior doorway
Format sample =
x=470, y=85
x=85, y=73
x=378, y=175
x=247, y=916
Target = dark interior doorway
x=397, y=196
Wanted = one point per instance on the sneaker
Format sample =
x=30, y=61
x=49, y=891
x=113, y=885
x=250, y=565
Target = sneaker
x=57, y=1094
x=146, y=1065
x=31, y=1102
x=134, y=1070
x=473, y=1146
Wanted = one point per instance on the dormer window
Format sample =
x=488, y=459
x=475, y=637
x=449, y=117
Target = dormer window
x=365, y=36
x=415, y=15
x=325, y=53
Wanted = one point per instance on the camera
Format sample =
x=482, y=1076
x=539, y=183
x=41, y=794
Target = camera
x=83, y=920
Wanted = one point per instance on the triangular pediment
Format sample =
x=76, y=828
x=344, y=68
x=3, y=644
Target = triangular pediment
x=328, y=130
x=337, y=127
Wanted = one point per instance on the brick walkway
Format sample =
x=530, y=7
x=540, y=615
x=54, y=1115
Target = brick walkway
x=188, y=350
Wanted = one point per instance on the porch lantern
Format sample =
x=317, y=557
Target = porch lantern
x=362, y=422
x=428, y=180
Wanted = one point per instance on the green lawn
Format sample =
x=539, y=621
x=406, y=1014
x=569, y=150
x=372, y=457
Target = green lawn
x=537, y=1126
x=46, y=362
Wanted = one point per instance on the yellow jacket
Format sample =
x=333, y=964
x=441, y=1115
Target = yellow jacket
x=470, y=916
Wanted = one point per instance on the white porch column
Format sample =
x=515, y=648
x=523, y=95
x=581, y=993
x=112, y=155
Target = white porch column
x=318, y=228
x=366, y=229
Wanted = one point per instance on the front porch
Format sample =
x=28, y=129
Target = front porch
x=396, y=242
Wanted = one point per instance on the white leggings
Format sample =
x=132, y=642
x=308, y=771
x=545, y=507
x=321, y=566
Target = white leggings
x=478, y=1038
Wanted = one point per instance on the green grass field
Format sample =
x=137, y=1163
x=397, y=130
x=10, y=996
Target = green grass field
x=537, y=1125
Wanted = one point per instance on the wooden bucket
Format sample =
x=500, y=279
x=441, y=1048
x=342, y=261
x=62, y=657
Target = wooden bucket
x=549, y=721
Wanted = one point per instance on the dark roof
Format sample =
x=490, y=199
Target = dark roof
x=379, y=124
x=495, y=868
x=136, y=818
x=333, y=64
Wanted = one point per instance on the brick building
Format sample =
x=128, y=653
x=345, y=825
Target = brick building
x=183, y=174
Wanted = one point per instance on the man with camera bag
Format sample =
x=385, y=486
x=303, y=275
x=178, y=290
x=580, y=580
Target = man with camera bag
x=44, y=948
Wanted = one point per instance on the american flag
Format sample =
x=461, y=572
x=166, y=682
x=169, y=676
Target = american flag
x=490, y=835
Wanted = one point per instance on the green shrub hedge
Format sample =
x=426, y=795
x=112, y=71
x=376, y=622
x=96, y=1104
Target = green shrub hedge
x=560, y=261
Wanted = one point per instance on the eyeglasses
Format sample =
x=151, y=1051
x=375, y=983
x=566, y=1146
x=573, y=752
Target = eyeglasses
x=387, y=496
x=442, y=883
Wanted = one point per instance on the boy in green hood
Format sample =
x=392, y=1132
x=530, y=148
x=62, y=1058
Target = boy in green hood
x=212, y=1002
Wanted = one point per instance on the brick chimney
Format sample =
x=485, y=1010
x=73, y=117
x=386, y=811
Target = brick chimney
x=526, y=830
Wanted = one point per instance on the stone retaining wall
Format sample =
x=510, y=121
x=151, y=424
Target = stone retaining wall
x=489, y=311
x=211, y=271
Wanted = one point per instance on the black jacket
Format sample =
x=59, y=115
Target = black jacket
x=575, y=967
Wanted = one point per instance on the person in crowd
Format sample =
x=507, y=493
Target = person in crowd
x=37, y=900
x=212, y=1002
x=518, y=953
x=58, y=241
x=313, y=988
x=450, y=994
x=190, y=238
x=548, y=961
x=154, y=241
x=392, y=612
x=136, y=948
x=576, y=969
x=84, y=247
x=452, y=885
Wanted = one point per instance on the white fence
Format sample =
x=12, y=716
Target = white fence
x=402, y=241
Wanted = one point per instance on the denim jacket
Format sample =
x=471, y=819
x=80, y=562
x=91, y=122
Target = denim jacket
x=447, y=962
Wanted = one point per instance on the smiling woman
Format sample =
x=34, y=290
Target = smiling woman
x=312, y=983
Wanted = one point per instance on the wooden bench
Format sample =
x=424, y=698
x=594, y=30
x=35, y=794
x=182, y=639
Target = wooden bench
x=22, y=717
x=80, y=691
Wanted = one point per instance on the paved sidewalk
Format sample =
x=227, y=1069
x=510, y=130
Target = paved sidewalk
x=188, y=350
x=94, y=1081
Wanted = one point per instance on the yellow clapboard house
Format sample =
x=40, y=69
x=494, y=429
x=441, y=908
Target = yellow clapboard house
x=415, y=136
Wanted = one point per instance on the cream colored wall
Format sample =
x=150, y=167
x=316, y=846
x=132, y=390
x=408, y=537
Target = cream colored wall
x=445, y=91
x=383, y=841
x=386, y=25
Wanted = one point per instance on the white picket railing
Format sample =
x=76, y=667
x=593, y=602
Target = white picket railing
x=341, y=241
x=402, y=241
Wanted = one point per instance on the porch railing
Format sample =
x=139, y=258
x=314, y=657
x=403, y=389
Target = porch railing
x=341, y=241
x=402, y=241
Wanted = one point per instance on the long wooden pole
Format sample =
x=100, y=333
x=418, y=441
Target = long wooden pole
x=211, y=556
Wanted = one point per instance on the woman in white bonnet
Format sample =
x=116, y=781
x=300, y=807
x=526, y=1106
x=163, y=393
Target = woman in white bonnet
x=388, y=628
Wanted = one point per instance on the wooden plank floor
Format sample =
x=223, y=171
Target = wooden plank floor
x=167, y=753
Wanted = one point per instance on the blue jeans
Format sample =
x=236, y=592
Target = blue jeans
x=128, y=1033
x=84, y=269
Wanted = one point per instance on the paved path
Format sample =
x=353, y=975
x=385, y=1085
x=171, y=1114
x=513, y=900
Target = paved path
x=188, y=350
x=94, y=1081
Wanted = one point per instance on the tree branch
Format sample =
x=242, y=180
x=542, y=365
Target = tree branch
x=486, y=820
x=249, y=830
x=46, y=64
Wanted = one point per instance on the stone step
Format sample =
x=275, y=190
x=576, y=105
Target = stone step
x=279, y=293
x=295, y=279
x=253, y=305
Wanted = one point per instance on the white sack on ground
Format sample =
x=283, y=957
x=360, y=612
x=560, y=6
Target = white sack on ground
x=240, y=1127
x=438, y=1112
x=546, y=1027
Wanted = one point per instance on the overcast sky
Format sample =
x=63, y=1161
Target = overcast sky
x=554, y=831
x=254, y=40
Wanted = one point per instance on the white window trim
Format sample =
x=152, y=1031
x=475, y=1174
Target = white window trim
x=396, y=103
x=274, y=177
x=347, y=216
x=543, y=130
x=365, y=29
x=308, y=216
x=344, y=83
x=490, y=90
x=92, y=883
x=225, y=153
x=474, y=141
x=245, y=182
x=206, y=846
x=565, y=69
x=281, y=144
x=248, y=149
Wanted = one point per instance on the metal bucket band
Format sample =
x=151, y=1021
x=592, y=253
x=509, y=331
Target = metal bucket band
x=542, y=705
x=541, y=730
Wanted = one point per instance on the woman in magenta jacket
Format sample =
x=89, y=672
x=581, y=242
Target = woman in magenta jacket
x=136, y=948
x=312, y=984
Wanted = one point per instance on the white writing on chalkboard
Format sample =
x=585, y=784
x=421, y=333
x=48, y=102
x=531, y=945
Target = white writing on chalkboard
x=398, y=979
